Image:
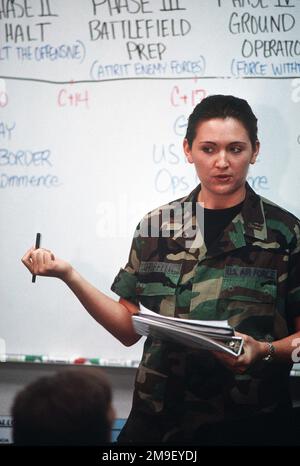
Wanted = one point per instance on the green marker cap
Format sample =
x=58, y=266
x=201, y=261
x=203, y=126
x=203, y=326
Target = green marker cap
x=95, y=361
x=33, y=358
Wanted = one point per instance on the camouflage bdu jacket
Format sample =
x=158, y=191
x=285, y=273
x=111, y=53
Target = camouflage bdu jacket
x=249, y=276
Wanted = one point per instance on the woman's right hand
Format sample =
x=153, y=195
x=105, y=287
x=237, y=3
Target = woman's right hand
x=43, y=262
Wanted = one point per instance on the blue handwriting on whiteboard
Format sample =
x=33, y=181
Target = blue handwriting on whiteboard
x=6, y=130
x=25, y=158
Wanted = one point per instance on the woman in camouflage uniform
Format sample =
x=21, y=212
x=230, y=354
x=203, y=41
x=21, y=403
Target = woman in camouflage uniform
x=244, y=266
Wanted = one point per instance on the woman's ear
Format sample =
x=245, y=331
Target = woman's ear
x=255, y=153
x=188, y=151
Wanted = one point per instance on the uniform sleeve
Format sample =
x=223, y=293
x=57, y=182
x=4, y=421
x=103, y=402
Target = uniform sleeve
x=293, y=297
x=124, y=283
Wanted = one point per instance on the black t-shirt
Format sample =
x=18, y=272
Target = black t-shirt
x=216, y=220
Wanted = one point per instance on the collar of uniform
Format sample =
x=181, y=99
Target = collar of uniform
x=186, y=215
x=251, y=218
x=249, y=222
x=187, y=233
x=252, y=215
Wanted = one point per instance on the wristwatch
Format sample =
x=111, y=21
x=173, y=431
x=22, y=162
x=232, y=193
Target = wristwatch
x=271, y=352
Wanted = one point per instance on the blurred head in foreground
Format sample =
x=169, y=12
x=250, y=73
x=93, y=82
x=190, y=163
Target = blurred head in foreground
x=72, y=407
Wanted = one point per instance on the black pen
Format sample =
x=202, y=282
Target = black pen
x=37, y=245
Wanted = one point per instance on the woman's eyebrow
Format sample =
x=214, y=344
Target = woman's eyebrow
x=207, y=142
x=238, y=142
x=215, y=143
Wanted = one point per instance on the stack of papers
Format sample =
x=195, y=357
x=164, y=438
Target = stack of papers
x=205, y=334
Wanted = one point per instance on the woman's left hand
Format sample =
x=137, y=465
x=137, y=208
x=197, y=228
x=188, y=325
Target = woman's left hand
x=253, y=350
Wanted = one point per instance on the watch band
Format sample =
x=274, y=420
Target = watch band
x=271, y=351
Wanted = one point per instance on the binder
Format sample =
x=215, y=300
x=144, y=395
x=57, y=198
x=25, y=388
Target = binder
x=199, y=334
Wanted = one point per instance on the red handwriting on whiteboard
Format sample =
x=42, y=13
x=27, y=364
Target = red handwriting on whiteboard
x=184, y=95
x=73, y=98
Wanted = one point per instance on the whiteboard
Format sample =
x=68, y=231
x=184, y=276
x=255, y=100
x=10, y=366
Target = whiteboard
x=94, y=100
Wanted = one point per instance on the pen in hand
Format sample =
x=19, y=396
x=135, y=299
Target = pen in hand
x=37, y=245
